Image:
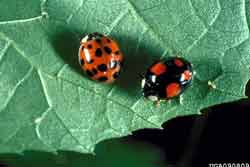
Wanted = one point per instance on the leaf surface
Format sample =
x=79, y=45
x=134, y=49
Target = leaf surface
x=49, y=104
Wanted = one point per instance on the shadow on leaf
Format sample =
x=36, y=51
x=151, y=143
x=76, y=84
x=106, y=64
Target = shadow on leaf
x=112, y=153
x=66, y=44
x=137, y=58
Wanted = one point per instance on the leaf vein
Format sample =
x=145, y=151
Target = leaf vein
x=22, y=20
x=13, y=91
x=117, y=21
x=72, y=14
x=200, y=37
x=69, y=132
x=4, y=51
x=147, y=26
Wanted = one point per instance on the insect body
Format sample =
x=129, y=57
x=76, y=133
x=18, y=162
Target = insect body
x=100, y=57
x=166, y=79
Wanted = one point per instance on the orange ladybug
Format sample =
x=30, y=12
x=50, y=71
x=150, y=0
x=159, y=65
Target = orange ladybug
x=100, y=57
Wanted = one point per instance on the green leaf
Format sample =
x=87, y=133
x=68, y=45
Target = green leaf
x=49, y=105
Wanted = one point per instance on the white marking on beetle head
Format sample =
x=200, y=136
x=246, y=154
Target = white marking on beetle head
x=143, y=82
x=153, y=78
x=182, y=77
x=153, y=98
x=85, y=39
x=112, y=64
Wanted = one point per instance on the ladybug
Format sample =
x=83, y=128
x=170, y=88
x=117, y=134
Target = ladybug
x=167, y=79
x=100, y=57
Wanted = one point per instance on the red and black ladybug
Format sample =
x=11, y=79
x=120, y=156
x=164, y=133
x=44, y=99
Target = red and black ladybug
x=100, y=57
x=166, y=79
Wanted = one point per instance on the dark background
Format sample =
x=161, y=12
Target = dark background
x=219, y=135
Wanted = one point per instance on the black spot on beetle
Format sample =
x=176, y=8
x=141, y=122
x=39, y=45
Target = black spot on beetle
x=107, y=50
x=91, y=61
x=108, y=40
x=102, y=67
x=89, y=46
x=89, y=73
x=102, y=79
x=98, y=40
x=98, y=52
x=94, y=71
x=117, y=52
